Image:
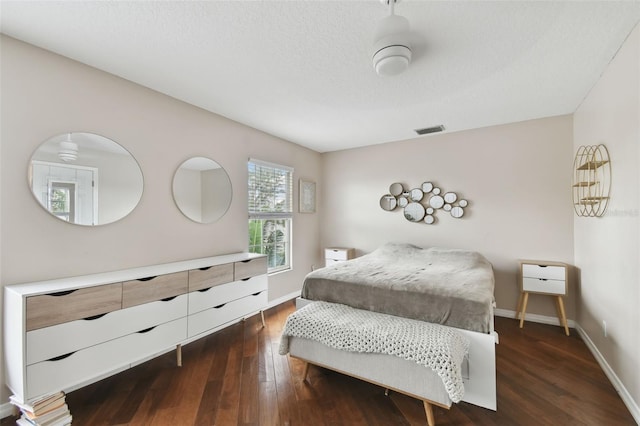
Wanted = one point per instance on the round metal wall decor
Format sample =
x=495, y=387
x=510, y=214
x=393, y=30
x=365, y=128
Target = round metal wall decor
x=422, y=204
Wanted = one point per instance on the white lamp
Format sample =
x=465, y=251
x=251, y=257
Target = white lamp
x=68, y=150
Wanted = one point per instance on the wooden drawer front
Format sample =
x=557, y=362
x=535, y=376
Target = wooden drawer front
x=99, y=360
x=540, y=271
x=214, y=296
x=211, y=276
x=337, y=253
x=150, y=289
x=50, y=342
x=543, y=285
x=211, y=318
x=57, y=308
x=250, y=268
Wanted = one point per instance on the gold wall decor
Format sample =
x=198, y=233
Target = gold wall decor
x=591, y=180
x=421, y=204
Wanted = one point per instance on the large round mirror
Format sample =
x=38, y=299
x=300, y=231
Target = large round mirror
x=85, y=179
x=202, y=190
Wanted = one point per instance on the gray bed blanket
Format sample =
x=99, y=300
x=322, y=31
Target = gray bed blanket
x=444, y=286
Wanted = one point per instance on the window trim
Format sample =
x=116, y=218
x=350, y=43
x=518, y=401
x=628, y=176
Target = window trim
x=287, y=215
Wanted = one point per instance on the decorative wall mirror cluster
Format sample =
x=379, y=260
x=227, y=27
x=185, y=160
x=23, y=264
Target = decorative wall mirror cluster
x=85, y=179
x=421, y=204
x=591, y=180
x=202, y=190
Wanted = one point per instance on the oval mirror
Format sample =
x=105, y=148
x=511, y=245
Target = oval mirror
x=427, y=187
x=402, y=201
x=436, y=201
x=450, y=197
x=396, y=189
x=202, y=190
x=457, y=212
x=463, y=203
x=416, y=194
x=388, y=202
x=85, y=179
x=414, y=212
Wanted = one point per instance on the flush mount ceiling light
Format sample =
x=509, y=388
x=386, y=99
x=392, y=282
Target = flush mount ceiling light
x=391, y=48
x=68, y=149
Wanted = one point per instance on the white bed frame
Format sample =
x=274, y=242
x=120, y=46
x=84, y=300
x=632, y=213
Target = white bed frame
x=479, y=373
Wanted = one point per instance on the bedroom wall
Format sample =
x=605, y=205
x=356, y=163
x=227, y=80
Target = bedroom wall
x=517, y=179
x=607, y=248
x=44, y=94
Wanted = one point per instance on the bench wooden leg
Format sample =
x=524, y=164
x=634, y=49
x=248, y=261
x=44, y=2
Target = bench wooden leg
x=428, y=409
x=305, y=372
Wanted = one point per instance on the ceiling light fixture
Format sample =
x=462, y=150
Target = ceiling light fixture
x=68, y=150
x=392, y=50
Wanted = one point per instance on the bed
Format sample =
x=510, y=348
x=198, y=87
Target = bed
x=434, y=290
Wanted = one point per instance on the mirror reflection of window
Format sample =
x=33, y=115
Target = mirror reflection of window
x=62, y=200
x=67, y=191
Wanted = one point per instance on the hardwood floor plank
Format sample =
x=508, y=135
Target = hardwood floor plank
x=236, y=377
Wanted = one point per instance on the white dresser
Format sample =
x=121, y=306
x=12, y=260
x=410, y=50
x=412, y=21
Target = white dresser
x=66, y=333
x=543, y=277
x=338, y=254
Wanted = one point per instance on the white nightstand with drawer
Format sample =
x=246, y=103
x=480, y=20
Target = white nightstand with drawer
x=338, y=254
x=543, y=277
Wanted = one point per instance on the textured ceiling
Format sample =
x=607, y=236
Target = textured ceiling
x=301, y=70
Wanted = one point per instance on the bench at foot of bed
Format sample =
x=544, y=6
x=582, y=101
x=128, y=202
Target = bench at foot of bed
x=428, y=404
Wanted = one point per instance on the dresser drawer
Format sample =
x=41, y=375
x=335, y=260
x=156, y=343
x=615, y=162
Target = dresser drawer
x=543, y=285
x=542, y=271
x=150, y=289
x=50, y=342
x=96, y=361
x=339, y=253
x=214, y=317
x=211, y=276
x=250, y=268
x=56, y=308
x=214, y=296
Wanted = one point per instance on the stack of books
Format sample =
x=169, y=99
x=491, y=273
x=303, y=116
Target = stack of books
x=49, y=410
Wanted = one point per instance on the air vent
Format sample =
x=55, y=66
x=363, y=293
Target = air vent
x=427, y=130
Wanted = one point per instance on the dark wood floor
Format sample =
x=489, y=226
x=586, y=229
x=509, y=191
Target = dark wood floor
x=236, y=377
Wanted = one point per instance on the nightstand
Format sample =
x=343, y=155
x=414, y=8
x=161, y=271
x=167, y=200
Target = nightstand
x=338, y=254
x=543, y=277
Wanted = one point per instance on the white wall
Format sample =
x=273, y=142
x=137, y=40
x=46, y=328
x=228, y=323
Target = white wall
x=517, y=179
x=607, y=248
x=44, y=94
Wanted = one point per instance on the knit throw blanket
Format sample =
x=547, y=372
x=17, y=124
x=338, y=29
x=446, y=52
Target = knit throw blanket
x=345, y=328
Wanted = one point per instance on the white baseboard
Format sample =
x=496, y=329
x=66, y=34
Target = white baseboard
x=542, y=319
x=6, y=410
x=286, y=297
x=632, y=405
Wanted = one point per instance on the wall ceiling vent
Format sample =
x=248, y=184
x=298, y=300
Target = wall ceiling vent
x=427, y=130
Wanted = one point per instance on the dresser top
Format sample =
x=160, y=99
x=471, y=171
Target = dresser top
x=82, y=281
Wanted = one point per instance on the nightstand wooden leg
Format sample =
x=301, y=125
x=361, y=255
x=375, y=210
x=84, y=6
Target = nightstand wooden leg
x=563, y=316
x=524, y=308
x=179, y=355
x=519, y=307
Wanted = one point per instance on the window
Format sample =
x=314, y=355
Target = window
x=270, y=213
